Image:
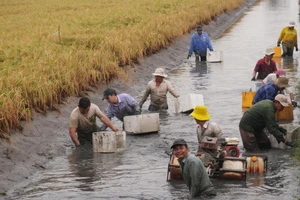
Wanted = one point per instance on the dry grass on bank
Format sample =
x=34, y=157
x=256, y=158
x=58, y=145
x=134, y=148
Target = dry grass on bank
x=39, y=65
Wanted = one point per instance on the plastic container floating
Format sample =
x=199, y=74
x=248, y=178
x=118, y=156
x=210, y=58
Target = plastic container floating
x=247, y=98
x=139, y=124
x=277, y=51
x=109, y=142
x=255, y=165
x=215, y=56
x=189, y=102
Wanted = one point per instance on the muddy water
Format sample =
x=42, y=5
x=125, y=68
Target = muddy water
x=140, y=172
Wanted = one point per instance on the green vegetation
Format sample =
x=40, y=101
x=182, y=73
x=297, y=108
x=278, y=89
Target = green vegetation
x=57, y=48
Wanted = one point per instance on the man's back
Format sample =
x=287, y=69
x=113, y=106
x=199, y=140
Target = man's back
x=196, y=177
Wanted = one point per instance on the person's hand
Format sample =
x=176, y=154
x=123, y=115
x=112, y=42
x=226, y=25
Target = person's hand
x=253, y=78
x=282, y=130
x=294, y=103
x=290, y=144
x=115, y=129
x=296, y=48
x=278, y=44
x=141, y=105
x=189, y=55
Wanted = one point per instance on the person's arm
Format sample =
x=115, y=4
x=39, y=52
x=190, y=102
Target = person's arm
x=280, y=37
x=272, y=126
x=73, y=135
x=195, y=177
x=146, y=94
x=171, y=89
x=105, y=118
x=191, y=46
x=209, y=44
x=108, y=123
x=256, y=69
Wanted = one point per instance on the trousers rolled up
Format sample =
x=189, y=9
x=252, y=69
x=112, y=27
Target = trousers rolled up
x=255, y=142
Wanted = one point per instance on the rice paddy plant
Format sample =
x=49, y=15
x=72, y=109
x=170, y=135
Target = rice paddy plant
x=57, y=48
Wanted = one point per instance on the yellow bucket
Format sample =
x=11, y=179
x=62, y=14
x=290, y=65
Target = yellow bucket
x=277, y=51
x=247, y=98
x=286, y=114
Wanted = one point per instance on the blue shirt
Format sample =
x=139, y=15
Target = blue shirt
x=268, y=91
x=126, y=106
x=200, y=43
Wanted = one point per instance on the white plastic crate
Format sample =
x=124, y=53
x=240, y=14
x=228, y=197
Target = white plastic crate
x=144, y=123
x=190, y=101
x=109, y=141
x=215, y=56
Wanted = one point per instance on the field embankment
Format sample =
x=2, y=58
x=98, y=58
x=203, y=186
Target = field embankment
x=58, y=48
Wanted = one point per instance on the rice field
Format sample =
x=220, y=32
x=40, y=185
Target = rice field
x=53, y=49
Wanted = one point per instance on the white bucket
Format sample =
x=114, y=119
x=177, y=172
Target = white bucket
x=214, y=56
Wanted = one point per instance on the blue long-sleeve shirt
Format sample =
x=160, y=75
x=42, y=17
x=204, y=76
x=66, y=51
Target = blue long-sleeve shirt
x=200, y=44
x=127, y=106
x=268, y=91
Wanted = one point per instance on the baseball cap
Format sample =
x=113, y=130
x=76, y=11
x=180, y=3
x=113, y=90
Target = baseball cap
x=282, y=100
x=178, y=142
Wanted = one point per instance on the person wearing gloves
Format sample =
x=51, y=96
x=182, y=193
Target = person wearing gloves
x=193, y=171
x=158, y=89
x=199, y=44
x=120, y=105
x=288, y=37
x=270, y=90
x=83, y=122
x=264, y=66
x=206, y=127
x=260, y=116
x=288, y=90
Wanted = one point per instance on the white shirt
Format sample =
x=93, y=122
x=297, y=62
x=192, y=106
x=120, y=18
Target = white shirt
x=210, y=129
x=272, y=77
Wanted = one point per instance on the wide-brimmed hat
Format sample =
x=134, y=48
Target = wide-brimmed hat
x=178, y=142
x=282, y=100
x=280, y=72
x=199, y=28
x=200, y=113
x=282, y=82
x=292, y=24
x=269, y=51
x=160, y=72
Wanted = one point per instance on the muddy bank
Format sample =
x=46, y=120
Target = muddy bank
x=47, y=136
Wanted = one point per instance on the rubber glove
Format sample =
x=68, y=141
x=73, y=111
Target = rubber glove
x=294, y=103
x=189, y=55
x=282, y=130
x=278, y=44
x=253, y=78
x=290, y=144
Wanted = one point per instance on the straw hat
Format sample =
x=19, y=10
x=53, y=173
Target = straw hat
x=282, y=82
x=269, y=51
x=200, y=113
x=160, y=72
